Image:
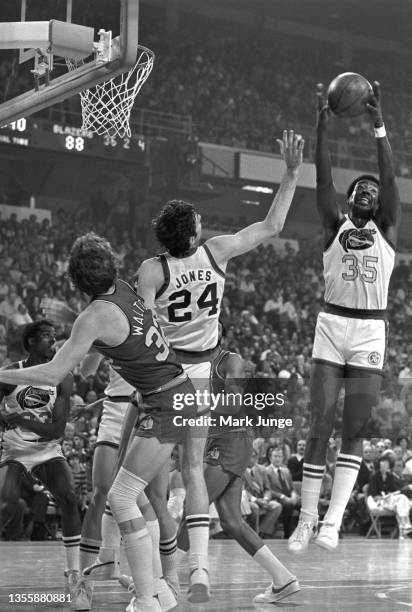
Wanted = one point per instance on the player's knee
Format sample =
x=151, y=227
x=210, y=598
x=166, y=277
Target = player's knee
x=230, y=525
x=123, y=495
x=66, y=498
x=321, y=428
x=100, y=491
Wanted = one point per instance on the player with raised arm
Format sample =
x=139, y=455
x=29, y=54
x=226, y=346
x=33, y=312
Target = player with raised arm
x=351, y=332
x=119, y=325
x=100, y=536
x=34, y=417
x=227, y=455
x=185, y=287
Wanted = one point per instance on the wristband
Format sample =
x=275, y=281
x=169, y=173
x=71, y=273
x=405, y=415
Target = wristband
x=380, y=132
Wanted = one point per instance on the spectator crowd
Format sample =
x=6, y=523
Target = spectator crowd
x=269, y=310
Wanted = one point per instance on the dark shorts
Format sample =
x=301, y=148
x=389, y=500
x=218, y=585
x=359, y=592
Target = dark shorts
x=232, y=451
x=156, y=419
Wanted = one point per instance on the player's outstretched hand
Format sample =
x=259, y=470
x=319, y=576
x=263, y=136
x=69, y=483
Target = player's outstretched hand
x=323, y=111
x=291, y=149
x=58, y=311
x=374, y=105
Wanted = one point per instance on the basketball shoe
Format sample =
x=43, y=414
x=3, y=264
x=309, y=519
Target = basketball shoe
x=103, y=570
x=165, y=592
x=199, y=590
x=82, y=595
x=303, y=534
x=273, y=595
x=328, y=536
x=144, y=604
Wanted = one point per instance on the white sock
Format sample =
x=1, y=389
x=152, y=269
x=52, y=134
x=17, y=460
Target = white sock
x=138, y=548
x=346, y=473
x=109, y=550
x=168, y=557
x=137, y=544
x=311, y=484
x=72, y=551
x=89, y=550
x=153, y=529
x=279, y=573
x=198, y=531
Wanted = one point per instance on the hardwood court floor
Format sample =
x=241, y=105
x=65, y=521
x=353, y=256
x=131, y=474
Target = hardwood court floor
x=364, y=575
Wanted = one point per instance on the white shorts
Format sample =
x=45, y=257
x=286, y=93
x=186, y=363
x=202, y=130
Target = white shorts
x=359, y=343
x=111, y=422
x=29, y=454
x=199, y=374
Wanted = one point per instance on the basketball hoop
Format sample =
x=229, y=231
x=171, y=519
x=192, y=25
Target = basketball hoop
x=106, y=107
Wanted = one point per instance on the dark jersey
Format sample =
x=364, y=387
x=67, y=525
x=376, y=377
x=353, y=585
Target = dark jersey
x=228, y=411
x=145, y=360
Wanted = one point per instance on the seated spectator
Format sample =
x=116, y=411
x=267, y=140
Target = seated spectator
x=403, y=442
x=279, y=485
x=295, y=462
x=366, y=467
x=262, y=506
x=383, y=493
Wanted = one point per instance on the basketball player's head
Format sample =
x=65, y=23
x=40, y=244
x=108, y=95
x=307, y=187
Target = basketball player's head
x=363, y=197
x=39, y=339
x=92, y=264
x=178, y=228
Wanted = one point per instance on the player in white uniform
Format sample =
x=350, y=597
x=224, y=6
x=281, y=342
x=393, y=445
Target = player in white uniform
x=351, y=332
x=34, y=418
x=185, y=287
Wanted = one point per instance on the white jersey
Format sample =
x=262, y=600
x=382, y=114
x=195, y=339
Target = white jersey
x=34, y=400
x=117, y=385
x=188, y=305
x=357, y=267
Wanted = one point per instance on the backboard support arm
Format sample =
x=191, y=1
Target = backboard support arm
x=84, y=77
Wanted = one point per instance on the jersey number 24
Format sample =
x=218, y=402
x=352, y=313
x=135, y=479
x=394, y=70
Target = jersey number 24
x=181, y=301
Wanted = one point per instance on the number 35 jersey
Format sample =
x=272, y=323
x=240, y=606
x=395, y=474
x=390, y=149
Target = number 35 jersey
x=144, y=360
x=357, y=267
x=188, y=304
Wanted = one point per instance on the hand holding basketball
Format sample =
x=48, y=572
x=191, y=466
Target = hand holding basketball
x=374, y=105
x=324, y=112
x=291, y=149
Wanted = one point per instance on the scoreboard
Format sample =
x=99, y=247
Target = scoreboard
x=52, y=136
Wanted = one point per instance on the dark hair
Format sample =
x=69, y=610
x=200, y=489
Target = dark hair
x=174, y=226
x=362, y=177
x=92, y=264
x=387, y=457
x=271, y=449
x=31, y=330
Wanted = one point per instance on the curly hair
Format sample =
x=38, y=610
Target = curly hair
x=92, y=264
x=362, y=177
x=31, y=330
x=174, y=226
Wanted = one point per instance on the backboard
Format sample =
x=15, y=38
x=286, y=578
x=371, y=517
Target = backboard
x=102, y=58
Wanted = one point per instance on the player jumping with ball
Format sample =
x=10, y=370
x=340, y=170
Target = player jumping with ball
x=351, y=332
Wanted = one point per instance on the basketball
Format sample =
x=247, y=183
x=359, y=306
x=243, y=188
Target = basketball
x=348, y=94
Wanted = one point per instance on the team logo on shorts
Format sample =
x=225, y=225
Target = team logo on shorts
x=213, y=453
x=357, y=239
x=147, y=423
x=374, y=358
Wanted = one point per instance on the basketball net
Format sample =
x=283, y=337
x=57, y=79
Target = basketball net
x=106, y=107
